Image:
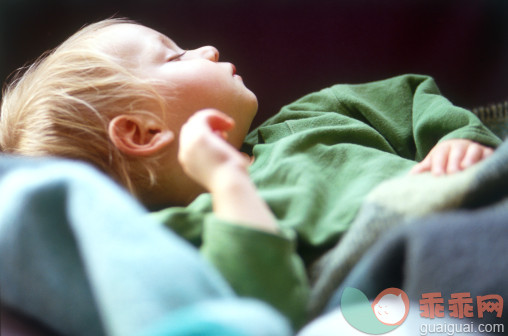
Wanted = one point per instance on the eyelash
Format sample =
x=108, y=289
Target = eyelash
x=177, y=57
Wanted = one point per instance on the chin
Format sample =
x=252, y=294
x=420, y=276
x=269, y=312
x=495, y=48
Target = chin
x=253, y=106
x=255, y=101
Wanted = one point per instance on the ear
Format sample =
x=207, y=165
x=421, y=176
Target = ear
x=139, y=135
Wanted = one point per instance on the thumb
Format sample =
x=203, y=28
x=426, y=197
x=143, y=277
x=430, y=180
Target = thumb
x=217, y=120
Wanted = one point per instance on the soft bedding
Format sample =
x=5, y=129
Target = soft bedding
x=402, y=200
x=80, y=255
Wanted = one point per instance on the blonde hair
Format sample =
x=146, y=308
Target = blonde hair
x=63, y=103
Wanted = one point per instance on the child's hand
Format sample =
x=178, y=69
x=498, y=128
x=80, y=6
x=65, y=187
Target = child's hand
x=452, y=156
x=204, y=151
x=211, y=161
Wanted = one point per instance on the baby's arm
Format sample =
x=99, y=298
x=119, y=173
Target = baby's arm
x=242, y=240
x=451, y=156
x=212, y=162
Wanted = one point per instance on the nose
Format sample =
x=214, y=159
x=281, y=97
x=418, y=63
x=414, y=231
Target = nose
x=209, y=52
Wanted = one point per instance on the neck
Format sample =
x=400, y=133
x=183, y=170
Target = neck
x=170, y=190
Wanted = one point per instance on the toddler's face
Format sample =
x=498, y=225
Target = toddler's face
x=189, y=80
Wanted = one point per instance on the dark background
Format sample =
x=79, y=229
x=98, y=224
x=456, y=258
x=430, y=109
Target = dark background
x=284, y=49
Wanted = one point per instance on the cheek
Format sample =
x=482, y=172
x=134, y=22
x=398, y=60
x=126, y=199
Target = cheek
x=204, y=89
x=191, y=89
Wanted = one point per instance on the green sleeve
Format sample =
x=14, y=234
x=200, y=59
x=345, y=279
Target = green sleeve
x=411, y=114
x=258, y=264
x=435, y=119
x=407, y=112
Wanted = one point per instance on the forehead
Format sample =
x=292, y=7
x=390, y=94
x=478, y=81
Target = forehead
x=124, y=35
x=127, y=40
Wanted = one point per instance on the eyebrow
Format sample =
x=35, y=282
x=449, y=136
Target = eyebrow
x=166, y=41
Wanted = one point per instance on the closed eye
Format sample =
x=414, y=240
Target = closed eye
x=177, y=56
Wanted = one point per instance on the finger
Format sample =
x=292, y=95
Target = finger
x=211, y=120
x=439, y=161
x=217, y=120
x=455, y=158
x=473, y=155
x=421, y=167
x=222, y=134
x=487, y=151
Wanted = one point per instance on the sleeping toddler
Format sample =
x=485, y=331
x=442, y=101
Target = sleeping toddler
x=171, y=125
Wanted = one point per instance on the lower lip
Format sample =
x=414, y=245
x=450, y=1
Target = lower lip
x=237, y=76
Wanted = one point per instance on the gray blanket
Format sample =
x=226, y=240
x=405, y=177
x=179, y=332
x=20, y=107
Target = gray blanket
x=400, y=201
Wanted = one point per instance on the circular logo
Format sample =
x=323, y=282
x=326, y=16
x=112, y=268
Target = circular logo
x=387, y=311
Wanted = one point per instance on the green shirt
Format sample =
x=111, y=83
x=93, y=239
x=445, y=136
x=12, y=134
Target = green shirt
x=315, y=161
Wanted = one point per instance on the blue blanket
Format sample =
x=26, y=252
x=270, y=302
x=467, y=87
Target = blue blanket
x=79, y=254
